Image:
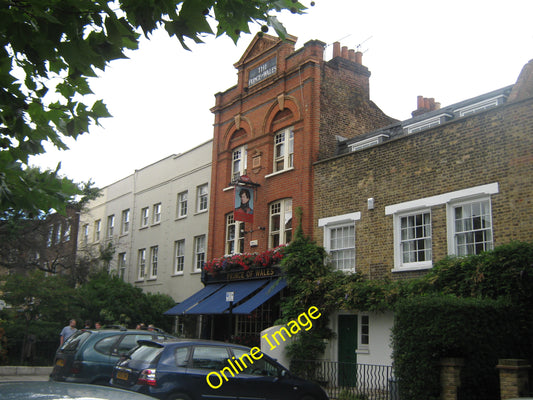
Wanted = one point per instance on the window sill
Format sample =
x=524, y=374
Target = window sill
x=177, y=274
x=180, y=217
x=412, y=268
x=196, y=272
x=143, y=227
x=201, y=212
x=279, y=172
x=362, y=351
x=155, y=224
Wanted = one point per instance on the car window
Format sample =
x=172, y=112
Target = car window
x=261, y=367
x=107, y=344
x=128, y=342
x=209, y=357
x=146, y=354
x=181, y=356
x=75, y=340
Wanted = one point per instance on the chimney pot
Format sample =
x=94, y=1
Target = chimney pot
x=351, y=55
x=359, y=58
x=344, y=52
x=426, y=103
x=432, y=104
x=336, y=49
x=420, y=102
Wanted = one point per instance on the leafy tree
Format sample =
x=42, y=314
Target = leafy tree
x=40, y=305
x=109, y=299
x=49, y=49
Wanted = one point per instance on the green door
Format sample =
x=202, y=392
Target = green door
x=346, y=350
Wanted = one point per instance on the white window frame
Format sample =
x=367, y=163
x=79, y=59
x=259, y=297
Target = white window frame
x=370, y=142
x=110, y=225
x=202, y=198
x=283, y=154
x=66, y=232
x=285, y=215
x=239, y=162
x=481, y=106
x=156, y=214
x=399, y=241
x=234, y=235
x=145, y=217
x=154, y=255
x=364, y=334
x=427, y=123
x=85, y=233
x=453, y=246
x=141, y=264
x=50, y=236
x=125, y=225
x=121, y=265
x=450, y=199
x=199, y=253
x=97, y=229
x=337, y=222
x=179, y=257
x=58, y=234
x=181, y=211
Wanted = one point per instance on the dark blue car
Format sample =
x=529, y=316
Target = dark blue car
x=192, y=369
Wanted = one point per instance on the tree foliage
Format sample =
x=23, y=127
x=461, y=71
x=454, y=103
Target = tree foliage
x=50, y=48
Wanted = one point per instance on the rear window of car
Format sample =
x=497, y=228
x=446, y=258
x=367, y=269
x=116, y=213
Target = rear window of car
x=146, y=353
x=130, y=341
x=75, y=341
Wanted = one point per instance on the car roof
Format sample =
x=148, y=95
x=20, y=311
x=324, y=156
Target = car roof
x=46, y=390
x=190, y=341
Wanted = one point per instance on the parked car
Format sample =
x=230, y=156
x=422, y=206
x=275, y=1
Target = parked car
x=89, y=355
x=180, y=370
x=64, y=390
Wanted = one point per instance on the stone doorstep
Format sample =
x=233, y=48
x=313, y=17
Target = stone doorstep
x=8, y=370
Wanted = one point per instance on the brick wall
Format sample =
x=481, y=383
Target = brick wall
x=491, y=146
x=306, y=93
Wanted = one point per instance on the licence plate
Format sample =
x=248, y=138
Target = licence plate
x=122, y=375
x=60, y=362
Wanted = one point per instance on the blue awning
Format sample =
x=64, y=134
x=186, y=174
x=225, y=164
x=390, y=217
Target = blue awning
x=189, y=302
x=274, y=287
x=217, y=304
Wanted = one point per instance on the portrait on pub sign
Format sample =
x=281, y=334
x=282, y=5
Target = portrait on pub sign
x=244, y=204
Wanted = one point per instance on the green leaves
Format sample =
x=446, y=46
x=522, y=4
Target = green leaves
x=49, y=49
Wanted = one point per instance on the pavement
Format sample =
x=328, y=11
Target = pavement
x=25, y=374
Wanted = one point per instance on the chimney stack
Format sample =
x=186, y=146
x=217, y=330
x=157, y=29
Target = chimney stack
x=425, y=105
x=348, y=54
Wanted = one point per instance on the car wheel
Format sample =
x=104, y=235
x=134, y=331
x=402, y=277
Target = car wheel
x=179, y=396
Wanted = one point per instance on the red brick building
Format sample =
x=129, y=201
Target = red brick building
x=285, y=113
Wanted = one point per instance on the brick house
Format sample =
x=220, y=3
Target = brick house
x=286, y=112
x=47, y=244
x=449, y=181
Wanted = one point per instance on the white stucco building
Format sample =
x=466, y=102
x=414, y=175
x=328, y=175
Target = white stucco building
x=156, y=220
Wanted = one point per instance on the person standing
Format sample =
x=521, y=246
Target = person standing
x=67, y=331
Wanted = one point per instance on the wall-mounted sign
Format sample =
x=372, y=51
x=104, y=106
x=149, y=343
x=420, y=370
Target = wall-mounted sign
x=263, y=71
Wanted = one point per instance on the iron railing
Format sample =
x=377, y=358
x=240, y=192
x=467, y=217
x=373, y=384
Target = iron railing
x=349, y=381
